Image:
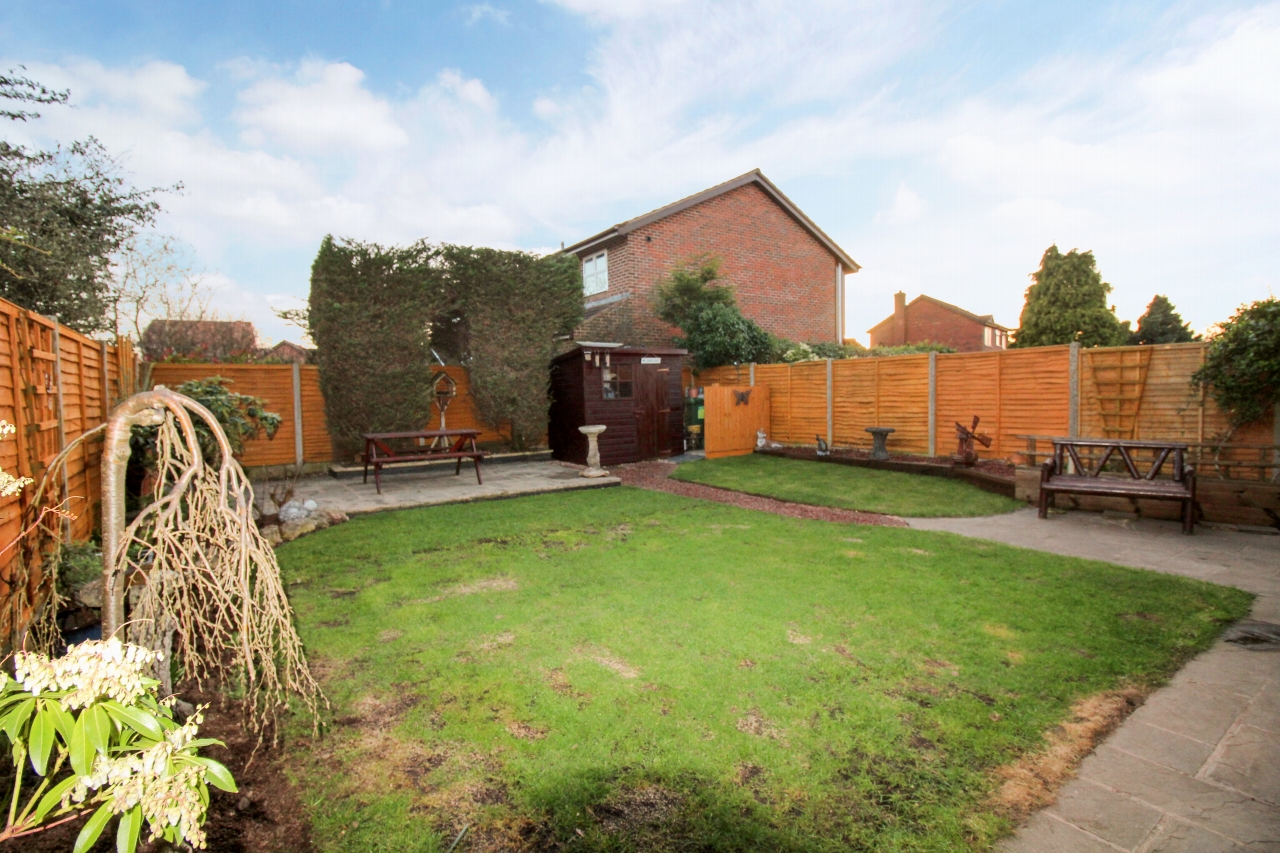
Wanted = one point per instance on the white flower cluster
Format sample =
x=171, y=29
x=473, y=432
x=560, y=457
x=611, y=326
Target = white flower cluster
x=91, y=671
x=9, y=484
x=169, y=796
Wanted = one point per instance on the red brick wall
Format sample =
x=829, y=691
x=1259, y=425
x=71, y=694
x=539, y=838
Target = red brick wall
x=929, y=322
x=784, y=278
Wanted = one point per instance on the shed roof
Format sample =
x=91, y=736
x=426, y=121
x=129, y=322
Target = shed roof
x=755, y=176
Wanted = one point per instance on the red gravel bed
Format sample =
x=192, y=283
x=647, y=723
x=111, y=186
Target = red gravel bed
x=655, y=475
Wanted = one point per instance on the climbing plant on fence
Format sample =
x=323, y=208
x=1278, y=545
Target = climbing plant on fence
x=510, y=307
x=1242, y=365
x=370, y=314
x=376, y=313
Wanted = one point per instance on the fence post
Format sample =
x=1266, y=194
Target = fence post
x=753, y=374
x=297, y=413
x=62, y=423
x=1275, y=439
x=1073, y=381
x=933, y=404
x=830, y=412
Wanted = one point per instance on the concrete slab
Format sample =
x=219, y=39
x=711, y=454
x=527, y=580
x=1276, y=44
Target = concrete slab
x=1106, y=814
x=1204, y=752
x=439, y=486
x=1249, y=761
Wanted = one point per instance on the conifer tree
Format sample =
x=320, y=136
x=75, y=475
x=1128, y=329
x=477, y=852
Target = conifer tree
x=1068, y=303
x=1162, y=324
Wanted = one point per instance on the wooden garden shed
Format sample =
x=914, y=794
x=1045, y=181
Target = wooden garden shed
x=634, y=392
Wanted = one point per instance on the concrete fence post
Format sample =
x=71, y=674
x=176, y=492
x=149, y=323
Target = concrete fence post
x=753, y=374
x=1073, y=381
x=830, y=406
x=297, y=413
x=933, y=404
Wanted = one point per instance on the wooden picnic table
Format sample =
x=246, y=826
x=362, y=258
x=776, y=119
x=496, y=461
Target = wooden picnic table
x=378, y=452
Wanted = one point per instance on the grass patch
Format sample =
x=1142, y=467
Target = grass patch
x=629, y=670
x=847, y=487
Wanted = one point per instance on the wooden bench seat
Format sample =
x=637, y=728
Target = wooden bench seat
x=1089, y=478
x=379, y=453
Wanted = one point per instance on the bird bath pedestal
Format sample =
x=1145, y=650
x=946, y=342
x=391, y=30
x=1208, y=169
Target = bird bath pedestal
x=878, y=449
x=593, y=468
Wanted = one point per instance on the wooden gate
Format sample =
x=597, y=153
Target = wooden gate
x=733, y=416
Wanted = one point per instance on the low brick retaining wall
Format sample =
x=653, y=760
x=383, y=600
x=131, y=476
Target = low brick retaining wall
x=982, y=479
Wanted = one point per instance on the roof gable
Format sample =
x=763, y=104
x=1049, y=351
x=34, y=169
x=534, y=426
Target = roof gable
x=755, y=176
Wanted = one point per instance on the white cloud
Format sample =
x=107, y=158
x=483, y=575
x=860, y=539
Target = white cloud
x=906, y=207
x=325, y=107
x=478, y=12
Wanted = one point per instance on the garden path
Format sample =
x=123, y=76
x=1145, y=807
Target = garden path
x=1196, y=768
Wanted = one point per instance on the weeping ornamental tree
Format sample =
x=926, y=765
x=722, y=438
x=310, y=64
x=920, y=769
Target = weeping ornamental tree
x=370, y=316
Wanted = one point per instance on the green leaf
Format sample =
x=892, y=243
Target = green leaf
x=140, y=721
x=92, y=829
x=17, y=718
x=218, y=774
x=127, y=832
x=97, y=727
x=78, y=749
x=202, y=742
x=62, y=721
x=43, y=735
x=52, y=798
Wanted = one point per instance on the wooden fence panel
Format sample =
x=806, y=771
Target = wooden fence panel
x=855, y=394
x=968, y=385
x=777, y=378
x=733, y=420
x=902, y=402
x=54, y=387
x=808, y=401
x=1034, y=394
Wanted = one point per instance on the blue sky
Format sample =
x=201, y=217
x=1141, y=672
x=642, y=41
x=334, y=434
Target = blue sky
x=944, y=146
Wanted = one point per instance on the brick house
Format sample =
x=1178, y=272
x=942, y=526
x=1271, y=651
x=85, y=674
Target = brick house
x=929, y=320
x=787, y=274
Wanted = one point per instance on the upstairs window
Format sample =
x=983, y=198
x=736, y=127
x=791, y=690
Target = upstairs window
x=617, y=382
x=595, y=274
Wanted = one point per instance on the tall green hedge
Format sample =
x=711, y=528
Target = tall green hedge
x=376, y=314
x=369, y=315
x=510, y=307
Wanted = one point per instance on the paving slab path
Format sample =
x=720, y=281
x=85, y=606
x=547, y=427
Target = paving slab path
x=437, y=484
x=1197, y=768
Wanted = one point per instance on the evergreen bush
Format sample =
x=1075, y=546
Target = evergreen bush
x=1242, y=366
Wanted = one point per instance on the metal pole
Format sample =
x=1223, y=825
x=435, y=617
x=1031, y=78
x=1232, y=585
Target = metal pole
x=297, y=413
x=1073, y=380
x=933, y=404
x=830, y=411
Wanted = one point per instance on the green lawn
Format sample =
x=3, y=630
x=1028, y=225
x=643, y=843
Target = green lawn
x=826, y=484
x=628, y=670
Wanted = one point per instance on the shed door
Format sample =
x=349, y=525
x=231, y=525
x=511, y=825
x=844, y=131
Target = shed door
x=651, y=410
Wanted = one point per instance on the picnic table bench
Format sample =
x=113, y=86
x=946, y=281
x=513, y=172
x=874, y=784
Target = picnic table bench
x=378, y=452
x=1087, y=479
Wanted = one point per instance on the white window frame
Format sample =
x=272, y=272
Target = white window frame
x=595, y=279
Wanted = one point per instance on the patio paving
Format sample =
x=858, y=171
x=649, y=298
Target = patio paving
x=1197, y=768
x=437, y=485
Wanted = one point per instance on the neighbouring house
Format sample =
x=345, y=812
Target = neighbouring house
x=288, y=351
x=634, y=392
x=787, y=274
x=204, y=340
x=929, y=320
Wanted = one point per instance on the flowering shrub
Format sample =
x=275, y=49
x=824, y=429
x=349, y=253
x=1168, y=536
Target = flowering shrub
x=96, y=710
x=9, y=484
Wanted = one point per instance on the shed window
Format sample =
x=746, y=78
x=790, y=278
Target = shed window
x=617, y=382
x=595, y=274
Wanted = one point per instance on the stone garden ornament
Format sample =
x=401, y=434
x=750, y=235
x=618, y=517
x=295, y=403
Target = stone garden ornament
x=592, y=433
